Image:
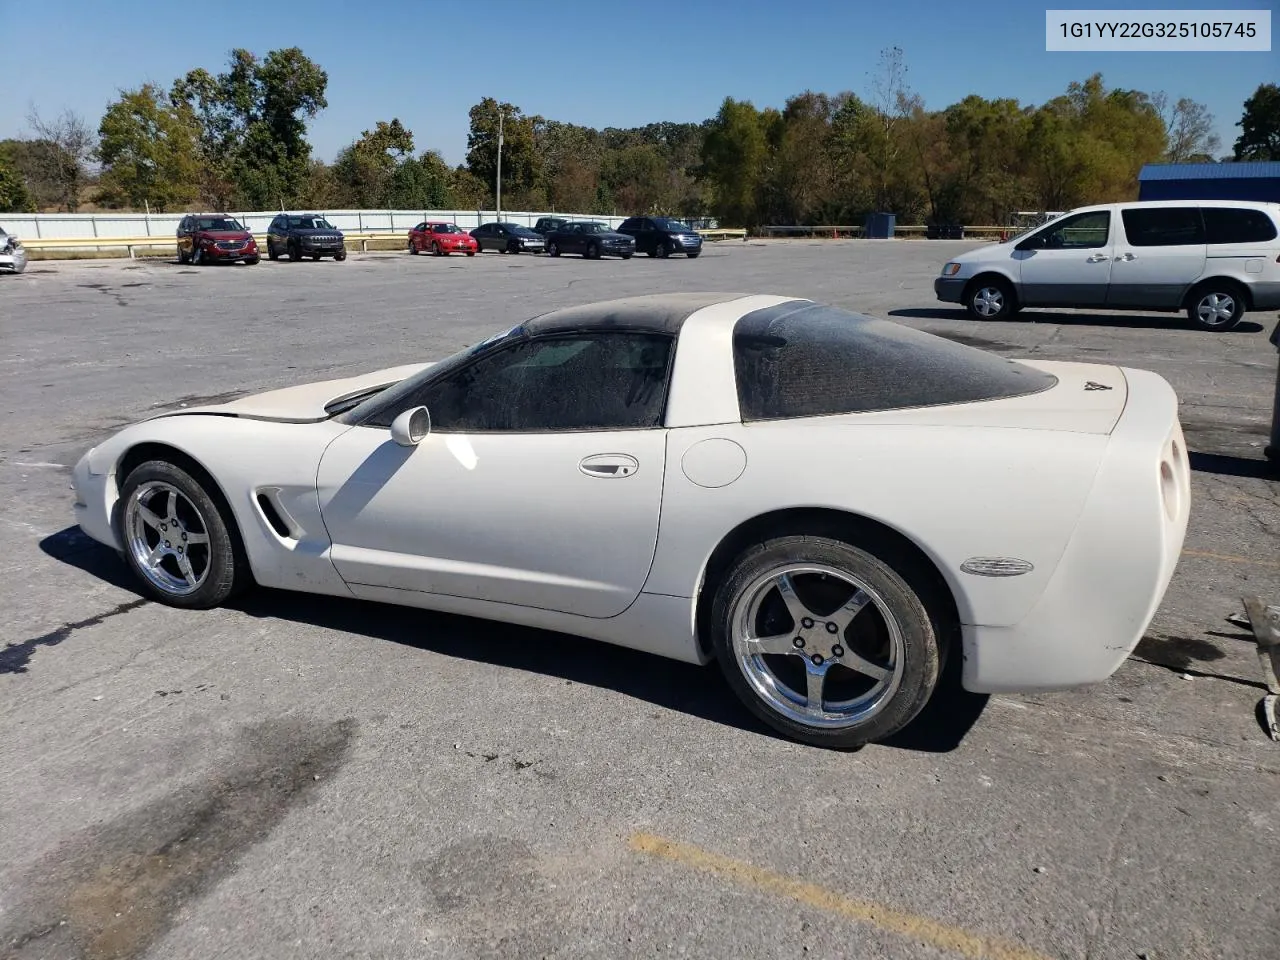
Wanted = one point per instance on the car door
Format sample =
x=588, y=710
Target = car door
x=1158, y=254
x=276, y=236
x=575, y=239
x=184, y=236
x=417, y=236
x=539, y=484
x=1068, y=263
x=480, y=234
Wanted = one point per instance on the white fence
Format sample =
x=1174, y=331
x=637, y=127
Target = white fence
x=68, y=226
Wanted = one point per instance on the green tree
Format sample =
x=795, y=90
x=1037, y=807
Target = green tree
x=1260, y=126
x=734, y=158
x=364, y=170
x=421, y=183
x=14, y=196
x=149, y=149
x=253, y=125
x=59, y=154
x=521, y=163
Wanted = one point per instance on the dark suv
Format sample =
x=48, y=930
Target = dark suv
x=546, y=224
x=217, y=237
x=305, y=235
x=662, y=236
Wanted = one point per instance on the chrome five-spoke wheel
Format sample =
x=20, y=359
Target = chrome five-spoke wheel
x=818, y=645
x=828, y=642
x=168, y=538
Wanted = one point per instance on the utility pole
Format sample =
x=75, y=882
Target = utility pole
x=500, y=162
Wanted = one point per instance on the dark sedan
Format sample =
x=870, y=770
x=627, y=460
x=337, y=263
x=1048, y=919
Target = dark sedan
x=507, y=238
x=592, y=239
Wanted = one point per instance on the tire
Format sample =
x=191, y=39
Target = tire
x=271, y=251
x=627, y=256
x=295, y=252
x=215, y=568
x=990, y=300
x=693, y=256
x=413, y=248
x=1216, y=306
x=435, y=249
x=182, y=257
x=251, y=261
x=652, y=251
x=340, y=255
x=890, y=640
x=662, y=250
x=593, y=252
x=197, y=257
x=553, y=250
x=471, y=253
x=315, y=256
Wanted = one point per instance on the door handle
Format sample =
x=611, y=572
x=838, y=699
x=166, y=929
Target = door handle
x=1127, y=257
x=1097, y=258
x=609, y=465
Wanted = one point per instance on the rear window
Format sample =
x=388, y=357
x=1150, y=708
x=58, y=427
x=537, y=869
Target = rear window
x=1237, y=225
x=1163, y=226
x=812, y=360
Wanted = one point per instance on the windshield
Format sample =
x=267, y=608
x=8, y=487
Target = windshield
x=219, y=223
x=444, y=228
x=393, y=395
x=519, y=231
x=310, y=223
x=675, y=226
x=596, y=228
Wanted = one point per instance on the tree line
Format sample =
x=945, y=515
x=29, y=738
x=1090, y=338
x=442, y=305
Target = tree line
x=237, y=140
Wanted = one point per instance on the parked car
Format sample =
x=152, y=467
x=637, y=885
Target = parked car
x=662, y=236
x=831, y=597
x=546, y=224
x=590, y=238
x=306, y=235
x=215, y=237
x=1215, y=259
x=13, y=256
x=441, y=239
x=508, y=238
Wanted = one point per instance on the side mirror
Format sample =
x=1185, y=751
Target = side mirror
x=411, y=427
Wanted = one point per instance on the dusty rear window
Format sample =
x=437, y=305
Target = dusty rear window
x=812, y=360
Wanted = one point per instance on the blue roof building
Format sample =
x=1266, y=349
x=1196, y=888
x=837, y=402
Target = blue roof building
x=1210, y=181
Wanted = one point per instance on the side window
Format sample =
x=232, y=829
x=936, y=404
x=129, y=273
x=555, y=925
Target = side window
x=1081, y=232
x=1237, y=225
x=631, y=224
x=599, y=381
x=1163, y=226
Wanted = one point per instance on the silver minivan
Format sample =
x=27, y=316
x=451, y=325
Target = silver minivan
x=1214, y=259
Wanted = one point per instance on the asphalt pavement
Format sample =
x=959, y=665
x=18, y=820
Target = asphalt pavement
x=296, y=776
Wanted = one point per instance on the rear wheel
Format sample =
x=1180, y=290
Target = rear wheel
x=1216, y=306
x=825, y=641
x=176, y=540
x=989, y=300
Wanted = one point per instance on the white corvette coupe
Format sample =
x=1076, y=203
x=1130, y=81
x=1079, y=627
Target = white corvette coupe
x=827, y=504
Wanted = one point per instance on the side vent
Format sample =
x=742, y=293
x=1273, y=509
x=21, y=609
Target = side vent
x=273, y=516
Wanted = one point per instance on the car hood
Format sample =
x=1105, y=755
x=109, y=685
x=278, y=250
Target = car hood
x=613, y=235
x=987, y=253
x=226, y=234
x=315, y=232
x=306, y=402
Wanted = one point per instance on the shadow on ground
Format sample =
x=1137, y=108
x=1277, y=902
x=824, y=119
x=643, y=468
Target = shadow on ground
x=1169, y=321
x=697, y=691
x=1228, y=466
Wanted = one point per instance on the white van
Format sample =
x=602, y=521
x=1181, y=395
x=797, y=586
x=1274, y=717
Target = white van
x=1215, y=259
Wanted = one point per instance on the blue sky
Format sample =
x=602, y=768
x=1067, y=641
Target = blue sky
x=582, y=61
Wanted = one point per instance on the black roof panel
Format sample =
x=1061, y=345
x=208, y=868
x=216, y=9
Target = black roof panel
x=660, y=312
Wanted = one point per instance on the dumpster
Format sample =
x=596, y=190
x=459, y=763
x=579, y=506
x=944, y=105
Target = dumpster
x=879, y=226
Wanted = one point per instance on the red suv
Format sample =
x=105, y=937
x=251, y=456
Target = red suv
x=441, y=239
x=215, y=236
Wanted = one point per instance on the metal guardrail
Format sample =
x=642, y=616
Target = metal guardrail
x=723, y=233
x=139, y=243
x=847, y=230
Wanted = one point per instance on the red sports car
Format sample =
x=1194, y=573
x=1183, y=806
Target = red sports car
x=441, y=239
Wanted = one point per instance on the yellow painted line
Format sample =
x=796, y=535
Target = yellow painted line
x=1228, y=558
x=811, y=895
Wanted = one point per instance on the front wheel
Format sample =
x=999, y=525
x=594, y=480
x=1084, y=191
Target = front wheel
x=176, y=540
x=592, y=252
x=271, y=251
x=340, y=255
x=435, y=249
x=1216, y=308
x=413, y=248
x=471, y=253
x=182, y=255
x=824, y=641
x=552, y=249
x=295, y=252
x=693, y=256
x=250, y=261
x=989, y=300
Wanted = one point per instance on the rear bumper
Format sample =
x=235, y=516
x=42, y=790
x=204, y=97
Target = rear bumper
x=1116, y=568
x=949, y=289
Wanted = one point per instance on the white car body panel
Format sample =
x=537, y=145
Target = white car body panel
x=508, y=526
